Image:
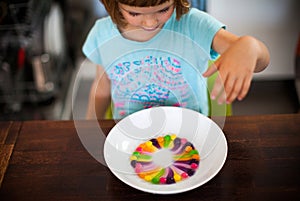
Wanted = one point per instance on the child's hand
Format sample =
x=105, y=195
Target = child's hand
x=235, y=71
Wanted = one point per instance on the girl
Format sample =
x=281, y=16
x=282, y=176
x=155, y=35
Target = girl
x=155, y=52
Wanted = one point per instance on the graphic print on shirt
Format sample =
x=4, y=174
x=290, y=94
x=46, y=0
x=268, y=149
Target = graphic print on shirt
x=155, y=79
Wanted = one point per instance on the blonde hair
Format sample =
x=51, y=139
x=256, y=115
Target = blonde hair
x=112, y=8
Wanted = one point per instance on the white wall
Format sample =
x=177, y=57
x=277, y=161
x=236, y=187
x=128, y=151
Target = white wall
x=275, y=22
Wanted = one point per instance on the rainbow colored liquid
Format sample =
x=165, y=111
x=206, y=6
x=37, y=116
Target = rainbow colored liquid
x=183, y=164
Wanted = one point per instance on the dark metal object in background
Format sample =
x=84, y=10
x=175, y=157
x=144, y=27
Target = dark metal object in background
x=29, y=71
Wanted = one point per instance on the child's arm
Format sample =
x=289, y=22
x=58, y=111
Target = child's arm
x=240, y=58
x=100, y=97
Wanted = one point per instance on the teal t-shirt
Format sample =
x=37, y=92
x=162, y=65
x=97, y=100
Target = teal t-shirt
x=166, y=70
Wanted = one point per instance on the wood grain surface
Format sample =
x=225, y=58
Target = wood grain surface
x=49, y=162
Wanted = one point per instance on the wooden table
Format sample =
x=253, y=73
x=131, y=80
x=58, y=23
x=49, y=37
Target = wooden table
x=45, y=160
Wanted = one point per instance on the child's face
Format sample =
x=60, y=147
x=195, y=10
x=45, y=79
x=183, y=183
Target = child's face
x=147, y=18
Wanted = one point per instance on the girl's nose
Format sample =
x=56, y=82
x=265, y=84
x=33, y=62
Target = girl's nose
x=150, y=21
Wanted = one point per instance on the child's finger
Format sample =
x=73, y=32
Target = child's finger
x=222, y=97
x=218, y=88
x=210, y=71
x=245, y=88
x=233, y=89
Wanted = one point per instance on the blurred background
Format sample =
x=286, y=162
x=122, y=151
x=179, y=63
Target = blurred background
x=44, y=75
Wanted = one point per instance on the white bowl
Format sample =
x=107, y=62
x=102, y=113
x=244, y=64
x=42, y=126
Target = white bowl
x=202, y=132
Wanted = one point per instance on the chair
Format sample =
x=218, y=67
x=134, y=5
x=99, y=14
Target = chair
x=216, y=109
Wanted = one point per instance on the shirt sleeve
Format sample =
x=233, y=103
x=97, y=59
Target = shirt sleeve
x=203, y=28
x=91, y=45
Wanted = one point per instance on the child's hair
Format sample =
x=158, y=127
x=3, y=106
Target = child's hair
x=112, y=8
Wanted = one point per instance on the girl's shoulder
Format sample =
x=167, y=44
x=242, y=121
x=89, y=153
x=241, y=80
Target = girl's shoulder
x=104, y=28
x=195, y=18
x=102, y=31
x=104, y=21
x=195, y=11
x=196, y=15
x=193, y=22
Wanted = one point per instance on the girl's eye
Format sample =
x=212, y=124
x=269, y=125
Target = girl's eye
x=164, y=10
x=133, y=14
